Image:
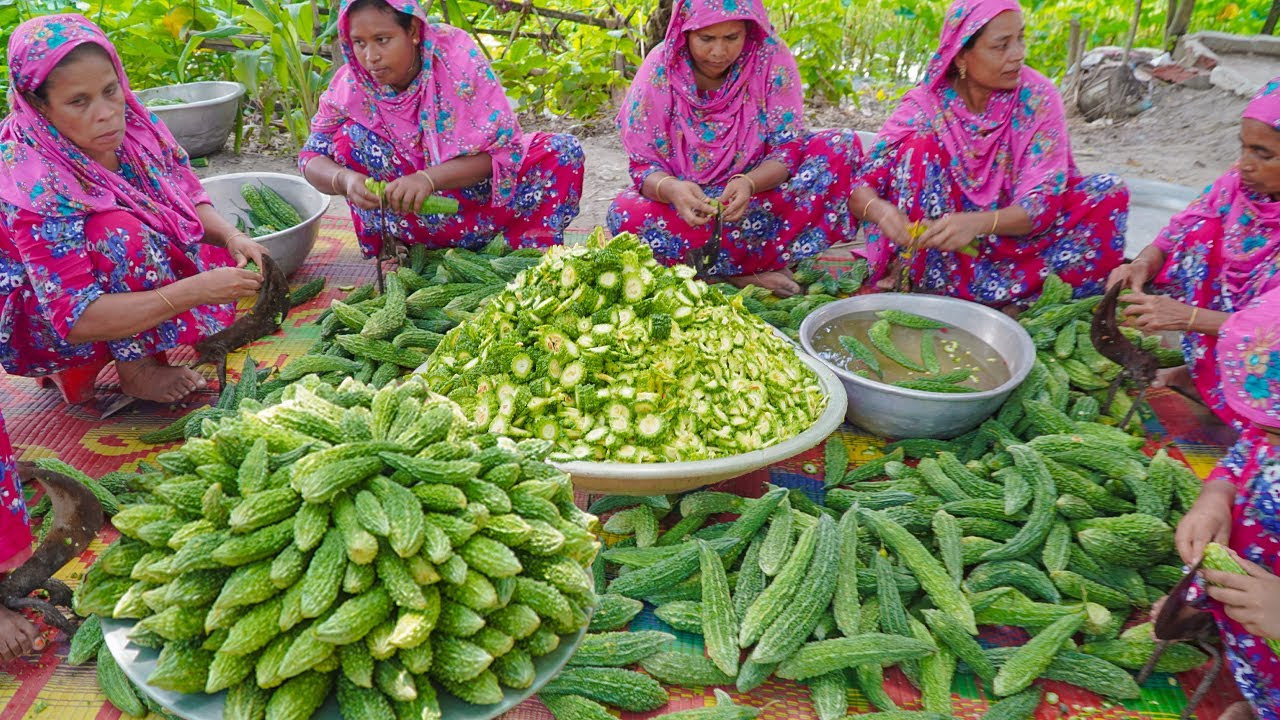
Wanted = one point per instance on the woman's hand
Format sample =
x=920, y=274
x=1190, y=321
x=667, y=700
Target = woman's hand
x=1150, y=313
x=226, y=285
x=1208, y=520
x=352, y=184
x=893, y=223
x=954, y=231
x=736, y=198
x=1253, y=600
x=1133, y=275
x=691, y=203
x=243, y=249
x=406, y=194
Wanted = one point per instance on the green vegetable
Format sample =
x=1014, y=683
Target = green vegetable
x=862, y=353
x=879, y=333
x=609, y=333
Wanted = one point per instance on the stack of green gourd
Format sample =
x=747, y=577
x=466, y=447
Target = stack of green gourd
x=351, y=539
x=1063, y=526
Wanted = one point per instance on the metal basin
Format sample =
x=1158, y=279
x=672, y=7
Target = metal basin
x=289, y=247
x=895, y=412
x=206, y=116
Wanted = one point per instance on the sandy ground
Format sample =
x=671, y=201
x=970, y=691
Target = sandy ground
x=1189, y=138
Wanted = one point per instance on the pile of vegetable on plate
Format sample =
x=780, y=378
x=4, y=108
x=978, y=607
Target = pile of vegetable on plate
x=365, y=542
x=612, y=357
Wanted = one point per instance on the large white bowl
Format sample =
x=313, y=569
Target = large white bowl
x=895, y=412
x=671, y=477
x=206, y=116
x=138, y=663
x=289, y=247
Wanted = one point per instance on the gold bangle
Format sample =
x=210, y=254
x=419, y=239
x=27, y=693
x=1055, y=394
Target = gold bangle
x=995, y=221
x=234, y=236
x=1191, y=320
x=333, y=182
x=746, y=177
x=867, y=207
x=431, y=180
x=166, y=300
x=657, y=190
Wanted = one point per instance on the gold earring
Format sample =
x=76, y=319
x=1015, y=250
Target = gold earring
x=963, y=71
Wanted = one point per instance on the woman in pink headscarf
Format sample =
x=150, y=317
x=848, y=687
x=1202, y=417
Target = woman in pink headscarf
x=109, y=248
x=417, y=106
x=1217, y=255
x=977, y=159
x=1239, y=507
x=717, y=112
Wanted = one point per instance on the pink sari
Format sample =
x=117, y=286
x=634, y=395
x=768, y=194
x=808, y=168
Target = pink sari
x=668, y=124
x=1221, y=253
x=15, y=527
x=935, y=156
x=71, y=230
x=454, y=107
x=1248, y=358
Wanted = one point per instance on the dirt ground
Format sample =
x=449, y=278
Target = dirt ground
x=1189, y=137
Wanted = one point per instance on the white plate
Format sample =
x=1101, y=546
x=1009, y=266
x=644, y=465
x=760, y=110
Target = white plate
x=139, y=662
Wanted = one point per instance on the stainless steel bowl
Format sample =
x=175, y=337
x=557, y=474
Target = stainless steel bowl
x=895, y=412
x=206, y=116
x=289, y=247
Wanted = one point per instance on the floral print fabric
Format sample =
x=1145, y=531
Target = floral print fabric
x=44, y=173
x=1255, y=536
x=15, y=528
x=798, y=219
x=1221, y=253
x=542, y=204
x=454, y=107
x=51, y=268
x=668, y=124
x=1080, y=234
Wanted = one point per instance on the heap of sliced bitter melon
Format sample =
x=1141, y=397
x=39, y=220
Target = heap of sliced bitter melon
x=365, y=542
x=611, y=356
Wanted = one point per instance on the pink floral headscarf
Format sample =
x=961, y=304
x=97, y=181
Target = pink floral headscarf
x=1249, y=360
x=43, y=172
x=667, y=122
x=454, y=107
x=1265, y=106
x=1250, y=243
x=1016, y=147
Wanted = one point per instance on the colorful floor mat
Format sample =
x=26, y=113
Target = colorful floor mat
x=40, y=425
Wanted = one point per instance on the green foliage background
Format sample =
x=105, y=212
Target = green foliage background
x=845, y=48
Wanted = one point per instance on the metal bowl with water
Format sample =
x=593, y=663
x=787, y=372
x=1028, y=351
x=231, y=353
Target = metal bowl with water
x=895, y=412
x=206, y=116
x=289, y=247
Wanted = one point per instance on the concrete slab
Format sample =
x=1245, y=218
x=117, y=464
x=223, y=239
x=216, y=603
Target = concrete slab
x=1240, y=64
x=1151, y=205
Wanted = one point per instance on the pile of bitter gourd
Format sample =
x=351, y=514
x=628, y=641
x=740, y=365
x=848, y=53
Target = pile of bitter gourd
x=1063, y=526
x=351, y=540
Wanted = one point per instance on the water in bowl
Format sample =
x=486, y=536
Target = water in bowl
x=955, y=349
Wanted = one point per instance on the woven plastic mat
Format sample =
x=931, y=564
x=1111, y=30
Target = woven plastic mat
x=43, y=686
